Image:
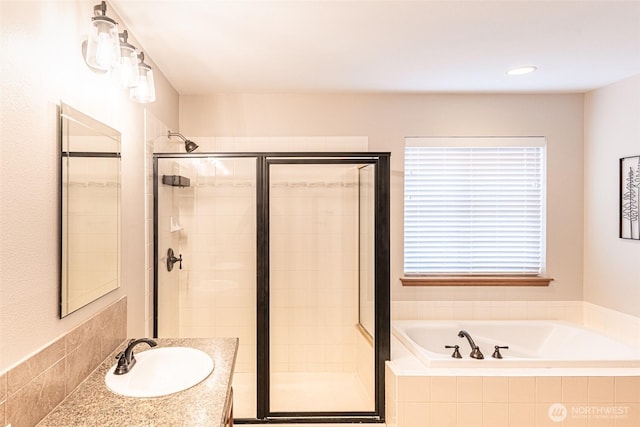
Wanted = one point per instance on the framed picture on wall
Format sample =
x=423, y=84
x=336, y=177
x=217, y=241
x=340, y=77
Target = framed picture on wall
x=630, y=197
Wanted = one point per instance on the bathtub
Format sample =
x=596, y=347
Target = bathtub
x=532, y=344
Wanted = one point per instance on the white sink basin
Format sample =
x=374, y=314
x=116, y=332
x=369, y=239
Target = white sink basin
x=161, y=371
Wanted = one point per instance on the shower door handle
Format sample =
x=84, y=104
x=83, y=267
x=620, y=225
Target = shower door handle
x=171, y=259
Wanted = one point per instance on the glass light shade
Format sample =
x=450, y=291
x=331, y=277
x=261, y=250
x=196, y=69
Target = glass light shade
x=145, y=91
x=127, y=70
x=103, y=45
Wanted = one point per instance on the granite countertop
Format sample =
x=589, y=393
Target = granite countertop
x=93, y=404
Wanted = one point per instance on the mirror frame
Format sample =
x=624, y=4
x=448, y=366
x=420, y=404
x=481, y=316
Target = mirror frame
x=73, y=147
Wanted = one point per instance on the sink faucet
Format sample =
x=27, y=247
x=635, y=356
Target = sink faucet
x=475, y=350
x=126, y=358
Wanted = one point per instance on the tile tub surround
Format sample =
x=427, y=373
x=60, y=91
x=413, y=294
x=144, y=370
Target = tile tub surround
x=418, y=396
x=34, y=387
x=517, y=398
x=93, y=404
x=459, y=401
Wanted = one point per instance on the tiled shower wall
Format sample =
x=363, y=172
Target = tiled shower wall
x=267, y=144
x=216, y=217
x=169, y=291
x=314, y=268
x=217, y=241
x=314, y=264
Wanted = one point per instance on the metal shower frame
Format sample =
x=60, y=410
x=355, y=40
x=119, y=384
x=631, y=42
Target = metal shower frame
x=382, y=347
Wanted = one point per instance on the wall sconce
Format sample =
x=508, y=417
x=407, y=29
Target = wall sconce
x=103, y=44
x=145, y=91
x=106, y=50
x=127, y=69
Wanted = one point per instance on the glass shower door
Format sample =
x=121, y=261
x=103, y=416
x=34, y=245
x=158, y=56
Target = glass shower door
x=206, y=213
x=278, y=250
x=320, y=362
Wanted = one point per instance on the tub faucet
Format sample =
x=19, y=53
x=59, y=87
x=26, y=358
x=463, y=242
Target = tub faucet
x=475, y=350
x=126, y=358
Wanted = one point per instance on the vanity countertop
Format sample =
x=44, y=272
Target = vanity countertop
x=93, y=404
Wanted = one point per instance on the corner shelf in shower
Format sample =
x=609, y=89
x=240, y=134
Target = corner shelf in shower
x=175, y=225
x=175, y=181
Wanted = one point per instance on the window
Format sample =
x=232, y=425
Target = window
x=474, y=206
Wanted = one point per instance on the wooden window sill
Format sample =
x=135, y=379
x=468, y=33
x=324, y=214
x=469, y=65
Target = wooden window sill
x=475, y=281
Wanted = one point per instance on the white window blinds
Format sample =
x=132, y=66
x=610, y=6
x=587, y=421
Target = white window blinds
x=474, y=206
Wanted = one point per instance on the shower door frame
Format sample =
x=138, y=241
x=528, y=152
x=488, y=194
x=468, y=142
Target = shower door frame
x=382, y=235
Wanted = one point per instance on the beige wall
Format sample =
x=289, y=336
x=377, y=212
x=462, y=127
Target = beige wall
x=612, y=131
x=42, y=65
x=387, y=119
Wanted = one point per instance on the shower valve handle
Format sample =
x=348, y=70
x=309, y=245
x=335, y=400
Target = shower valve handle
x=171, y=259
x=496, y=354
x=456, y=352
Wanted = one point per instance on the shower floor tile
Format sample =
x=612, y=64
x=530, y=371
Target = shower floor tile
x=303, y=392
x=318, y=391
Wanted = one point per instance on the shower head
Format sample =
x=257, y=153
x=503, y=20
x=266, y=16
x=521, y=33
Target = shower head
x=189, y=145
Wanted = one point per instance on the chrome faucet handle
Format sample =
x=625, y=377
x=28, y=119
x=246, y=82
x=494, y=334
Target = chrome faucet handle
x=496, y=354
x=456, y=352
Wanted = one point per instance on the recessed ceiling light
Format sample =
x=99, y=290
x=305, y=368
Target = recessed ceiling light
x=518, y=71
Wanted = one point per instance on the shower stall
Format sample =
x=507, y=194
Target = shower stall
x=290, y=253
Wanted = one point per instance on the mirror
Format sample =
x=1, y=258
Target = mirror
x=89, y=209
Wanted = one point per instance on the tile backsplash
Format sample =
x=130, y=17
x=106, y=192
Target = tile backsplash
x=268, y=144
x=571, y=311
x=31, y=389
x=621, y=326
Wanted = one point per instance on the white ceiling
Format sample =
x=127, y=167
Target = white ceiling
x=271, y=46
